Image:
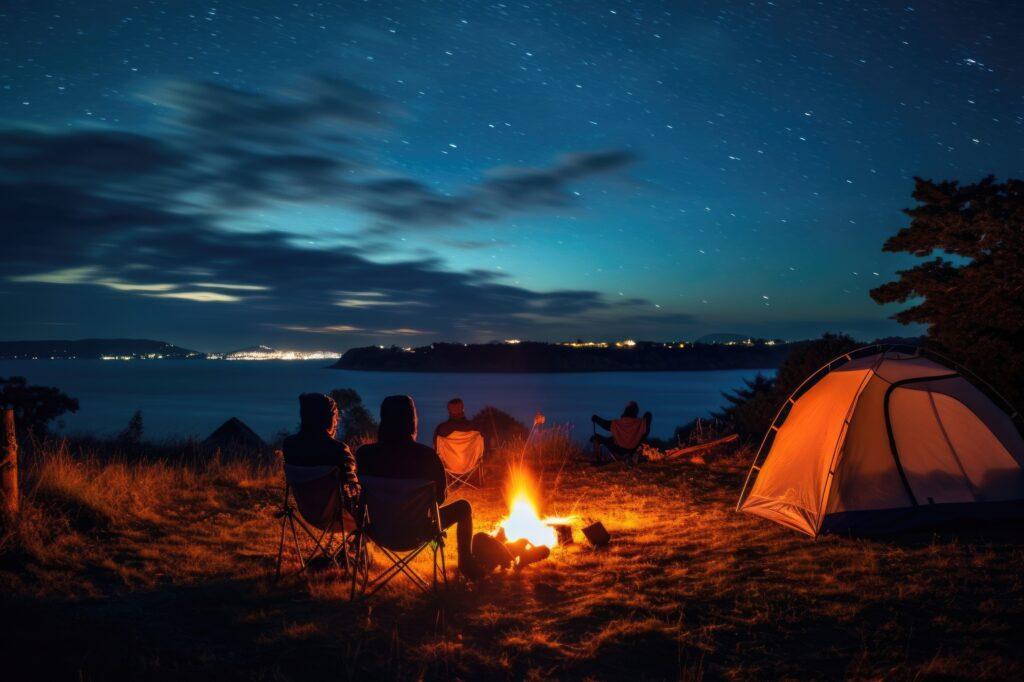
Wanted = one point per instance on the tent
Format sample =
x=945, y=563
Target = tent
x=887, y=438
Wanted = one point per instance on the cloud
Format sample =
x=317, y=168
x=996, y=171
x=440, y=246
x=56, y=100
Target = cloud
x=144, y=217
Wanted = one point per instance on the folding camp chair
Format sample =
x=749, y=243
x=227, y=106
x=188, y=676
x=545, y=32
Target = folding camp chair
x=401, y=518
x=618, y=449
x=316, y=503
x=462, y=453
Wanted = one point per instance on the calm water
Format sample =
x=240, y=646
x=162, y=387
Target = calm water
x=184, y=397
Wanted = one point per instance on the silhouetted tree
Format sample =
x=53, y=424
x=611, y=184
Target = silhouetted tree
x=34, y=406
x=971, y=294
x=132, y=433
x=357, y=424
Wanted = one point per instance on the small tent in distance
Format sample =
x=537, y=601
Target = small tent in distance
x=883, y=439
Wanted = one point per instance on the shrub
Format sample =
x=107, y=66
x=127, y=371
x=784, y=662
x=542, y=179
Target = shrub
x=357, y=424
x=34, y=406
x=497, y=426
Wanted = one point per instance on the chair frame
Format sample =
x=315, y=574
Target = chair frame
x=400, y=562
x=455, y=481
x=323, y=540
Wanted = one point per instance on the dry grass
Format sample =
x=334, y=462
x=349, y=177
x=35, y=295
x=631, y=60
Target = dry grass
x=158, y=571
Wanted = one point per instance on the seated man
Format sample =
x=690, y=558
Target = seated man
x=396, y=454
x=456, y=420
x=628, y=432
x=315, y=444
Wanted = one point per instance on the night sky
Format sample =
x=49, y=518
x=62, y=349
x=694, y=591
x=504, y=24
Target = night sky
x=326, y=175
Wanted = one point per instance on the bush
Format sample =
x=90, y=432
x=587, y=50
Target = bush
x=357, y=424
x=34, y=406
x=497, y=426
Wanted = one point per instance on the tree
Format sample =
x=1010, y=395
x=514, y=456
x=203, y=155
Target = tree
x=357, y=424
x=34, y=406
x=971, y=294
x=132, y=433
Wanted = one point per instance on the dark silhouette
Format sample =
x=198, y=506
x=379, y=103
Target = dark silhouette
x=628, y=432
x=456, y=420
x=396, y=454
x=553, y=357
x=34, y=406
x=316, y=444
x=357, y=424
x=974, y=305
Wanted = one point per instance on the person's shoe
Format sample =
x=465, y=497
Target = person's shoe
x=489, y=553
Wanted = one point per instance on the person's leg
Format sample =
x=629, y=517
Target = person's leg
x=460, y=513
x=607, y=442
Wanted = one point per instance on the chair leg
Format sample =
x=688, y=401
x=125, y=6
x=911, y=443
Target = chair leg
x=280, y=549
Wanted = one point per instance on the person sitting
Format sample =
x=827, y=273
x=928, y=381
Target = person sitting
x=396, y=454
x=628, y=432
x=456, y=420
x=316, y=444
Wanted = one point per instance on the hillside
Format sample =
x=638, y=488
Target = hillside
x=548, y=357
x=93, y=349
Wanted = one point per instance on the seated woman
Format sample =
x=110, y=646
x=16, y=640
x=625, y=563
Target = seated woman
x=396, y=454
x=316, y=444
x=628, y=432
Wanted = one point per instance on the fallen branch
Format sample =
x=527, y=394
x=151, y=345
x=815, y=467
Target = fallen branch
x=676, y=453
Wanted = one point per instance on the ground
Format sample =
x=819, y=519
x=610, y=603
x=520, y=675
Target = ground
x=173, y=580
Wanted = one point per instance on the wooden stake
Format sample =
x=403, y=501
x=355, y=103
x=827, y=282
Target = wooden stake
x=9, y=466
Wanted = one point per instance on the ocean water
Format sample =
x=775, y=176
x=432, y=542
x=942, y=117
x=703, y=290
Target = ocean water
x=193, y=397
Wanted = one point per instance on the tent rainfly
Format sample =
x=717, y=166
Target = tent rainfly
x=884, y=439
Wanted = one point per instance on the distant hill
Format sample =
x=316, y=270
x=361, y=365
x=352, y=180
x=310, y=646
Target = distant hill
x=94, y=349
x=549, y=357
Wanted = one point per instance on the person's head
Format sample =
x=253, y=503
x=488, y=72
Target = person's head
x=456, y=408
x=397, y=419
x=318, y=412
x=631, y=409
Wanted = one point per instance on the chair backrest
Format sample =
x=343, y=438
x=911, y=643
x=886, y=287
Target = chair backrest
x=628, y=432
x=460, y=451
x=317, y=493
x=401, y=511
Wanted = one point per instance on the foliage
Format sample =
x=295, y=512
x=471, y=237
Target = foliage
x=497, y=426
x=357, y=424
x=34, y=406
x=132, y=433
x=971, y=294
x=752, y=408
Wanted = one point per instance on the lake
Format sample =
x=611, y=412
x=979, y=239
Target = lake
x=193, y=397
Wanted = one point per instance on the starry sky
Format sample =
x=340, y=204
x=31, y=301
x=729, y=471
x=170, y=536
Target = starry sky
x=327, y=175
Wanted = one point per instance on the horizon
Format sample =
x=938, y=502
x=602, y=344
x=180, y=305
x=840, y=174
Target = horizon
x=353, y=175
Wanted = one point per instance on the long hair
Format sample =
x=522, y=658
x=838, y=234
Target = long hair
x=398, y=419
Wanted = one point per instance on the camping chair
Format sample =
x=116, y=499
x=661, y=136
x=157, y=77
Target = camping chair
x=400, y=517
x=462, y=453
x=315, y=502
x=627, y=436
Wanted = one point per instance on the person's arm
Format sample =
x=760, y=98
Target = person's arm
x=647, y=424
x=347, y=465
x=603, y=423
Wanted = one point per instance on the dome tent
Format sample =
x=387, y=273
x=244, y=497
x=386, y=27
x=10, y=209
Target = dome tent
x=886, y=438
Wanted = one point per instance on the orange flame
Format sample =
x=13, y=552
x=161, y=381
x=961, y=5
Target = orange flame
x=523, y=520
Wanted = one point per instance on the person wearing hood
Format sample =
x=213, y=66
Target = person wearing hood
x=316, y=443
x=396, y=454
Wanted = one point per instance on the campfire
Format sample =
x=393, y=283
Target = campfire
x=525, y=532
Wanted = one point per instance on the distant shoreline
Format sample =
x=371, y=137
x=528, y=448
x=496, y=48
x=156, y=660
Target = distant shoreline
x=549, y=358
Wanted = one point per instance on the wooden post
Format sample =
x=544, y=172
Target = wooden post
x=9, y=466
